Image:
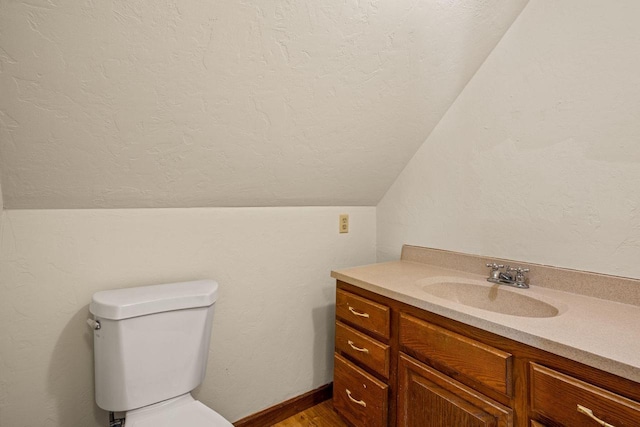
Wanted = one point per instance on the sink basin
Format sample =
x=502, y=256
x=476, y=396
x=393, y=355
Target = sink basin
x=495, y=298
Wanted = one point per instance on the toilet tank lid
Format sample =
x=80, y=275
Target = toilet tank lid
x=132, y=302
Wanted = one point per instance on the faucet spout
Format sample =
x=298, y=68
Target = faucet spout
x=506, y=277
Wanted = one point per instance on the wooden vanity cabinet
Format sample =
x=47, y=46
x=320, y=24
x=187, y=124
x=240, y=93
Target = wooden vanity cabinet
x=423, y=370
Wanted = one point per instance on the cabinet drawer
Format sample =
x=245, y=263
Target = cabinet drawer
x=365, y=350
x=357, y=396
x=465, y=356
x=362, y=312
x=556, y=396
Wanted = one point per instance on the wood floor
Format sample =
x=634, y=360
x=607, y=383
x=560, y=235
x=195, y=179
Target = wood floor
x=321, y=415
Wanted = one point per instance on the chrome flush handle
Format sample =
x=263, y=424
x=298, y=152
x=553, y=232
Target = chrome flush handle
x=94, y=324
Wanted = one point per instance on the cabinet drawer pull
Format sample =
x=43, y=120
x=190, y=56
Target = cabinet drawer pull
x=589, y=413
x=359, y=402
x=357, y=313
x=353, y=346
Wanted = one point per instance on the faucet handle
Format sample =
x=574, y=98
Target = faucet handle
x=518, y=269
x=494, y=276
x=520, y=277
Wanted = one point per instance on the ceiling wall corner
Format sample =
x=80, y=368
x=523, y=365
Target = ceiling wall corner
x=1, y=203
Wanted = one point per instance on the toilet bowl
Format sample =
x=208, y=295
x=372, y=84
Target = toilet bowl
x=180, y=411
x=151, y=346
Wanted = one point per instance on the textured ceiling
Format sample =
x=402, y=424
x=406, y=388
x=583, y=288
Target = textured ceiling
x=227, y=103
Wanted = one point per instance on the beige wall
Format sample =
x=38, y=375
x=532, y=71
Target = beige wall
x=539, y=157
x=273, y=326
x=124, y=104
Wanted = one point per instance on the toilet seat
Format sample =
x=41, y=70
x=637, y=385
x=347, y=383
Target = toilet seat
x=180, y=411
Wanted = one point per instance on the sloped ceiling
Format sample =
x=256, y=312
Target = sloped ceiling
x=151, y=103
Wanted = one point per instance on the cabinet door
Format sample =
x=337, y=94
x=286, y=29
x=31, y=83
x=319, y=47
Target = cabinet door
x=428, y=398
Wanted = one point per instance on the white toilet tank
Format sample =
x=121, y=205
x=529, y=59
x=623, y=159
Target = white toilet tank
x=152, y=342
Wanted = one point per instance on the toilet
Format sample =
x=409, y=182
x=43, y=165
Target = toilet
x=151, y=346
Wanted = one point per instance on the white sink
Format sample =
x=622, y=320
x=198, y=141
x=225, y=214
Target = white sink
x=490, y=297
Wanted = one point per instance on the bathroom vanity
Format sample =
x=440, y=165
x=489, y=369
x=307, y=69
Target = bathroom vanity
x=409, y=352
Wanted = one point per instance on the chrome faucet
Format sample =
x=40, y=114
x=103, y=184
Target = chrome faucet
x=512, y=276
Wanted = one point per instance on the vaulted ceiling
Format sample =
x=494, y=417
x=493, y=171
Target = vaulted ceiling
x=147, y=103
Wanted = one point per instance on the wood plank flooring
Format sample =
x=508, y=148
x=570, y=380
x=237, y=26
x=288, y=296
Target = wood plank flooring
x=321, y=415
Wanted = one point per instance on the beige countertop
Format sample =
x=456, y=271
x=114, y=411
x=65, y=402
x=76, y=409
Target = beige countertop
x=598, y=332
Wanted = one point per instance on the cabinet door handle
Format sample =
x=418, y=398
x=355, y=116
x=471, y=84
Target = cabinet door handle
x=357, y=313
x=589, y=413
x=353, y=346
x=359, y=402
